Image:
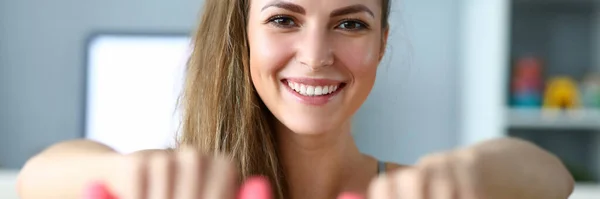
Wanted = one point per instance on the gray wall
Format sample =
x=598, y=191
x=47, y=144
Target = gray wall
x=411, y=111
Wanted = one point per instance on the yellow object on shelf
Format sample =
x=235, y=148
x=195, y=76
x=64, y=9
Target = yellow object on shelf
x=561, y=93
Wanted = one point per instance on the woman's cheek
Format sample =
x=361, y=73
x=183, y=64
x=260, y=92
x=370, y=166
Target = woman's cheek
x=361, y=61
x=270, y=52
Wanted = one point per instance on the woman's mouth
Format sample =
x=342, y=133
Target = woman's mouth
x=308, y=90
x=313, y=91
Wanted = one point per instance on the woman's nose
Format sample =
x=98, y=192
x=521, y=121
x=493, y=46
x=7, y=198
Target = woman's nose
x=315, y=50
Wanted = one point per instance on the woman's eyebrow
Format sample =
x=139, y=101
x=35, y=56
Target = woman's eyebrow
x=285, y=5
x=351, y=10
x=337, y=12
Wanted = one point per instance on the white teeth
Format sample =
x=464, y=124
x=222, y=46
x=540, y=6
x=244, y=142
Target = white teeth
x=308, y=90
x=325, y=90
x=302, y=89
x=319, y=90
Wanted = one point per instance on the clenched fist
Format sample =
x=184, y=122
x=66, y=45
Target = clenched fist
x=498, y=169
x=178, y=175
x=440, y=176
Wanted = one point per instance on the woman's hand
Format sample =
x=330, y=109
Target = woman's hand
x=253, y=188
x=497, y=169
x=164, y=175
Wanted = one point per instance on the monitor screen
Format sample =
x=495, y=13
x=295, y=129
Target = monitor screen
x=133, y=83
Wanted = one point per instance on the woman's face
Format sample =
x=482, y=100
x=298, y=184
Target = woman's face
x=313, y=62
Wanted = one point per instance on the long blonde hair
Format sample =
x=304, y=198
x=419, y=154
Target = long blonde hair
x=222, y=113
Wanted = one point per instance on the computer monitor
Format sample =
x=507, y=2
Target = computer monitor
x=133, y=84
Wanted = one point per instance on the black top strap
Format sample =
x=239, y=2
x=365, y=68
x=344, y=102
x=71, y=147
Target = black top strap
x=380, y=167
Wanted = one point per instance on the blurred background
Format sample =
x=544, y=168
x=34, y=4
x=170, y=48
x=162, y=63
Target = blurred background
x=456, y=72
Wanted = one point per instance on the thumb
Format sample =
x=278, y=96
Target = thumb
x=97, y=191
x=350, y=196
x=256, y=188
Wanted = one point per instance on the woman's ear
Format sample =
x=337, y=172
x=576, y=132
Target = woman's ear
x=384, y=40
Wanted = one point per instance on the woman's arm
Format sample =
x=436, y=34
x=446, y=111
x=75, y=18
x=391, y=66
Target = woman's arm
x=525, y=168
x=64, y=169
x=495, y=169
x=67, y=169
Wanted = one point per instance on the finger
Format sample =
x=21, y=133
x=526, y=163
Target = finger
x=189, y=175
x=135, y=185
x=220, y=182
x=442, y=183
x=255, y=188
x=380, y=188
x=98, y=190
x=350, y=196
x=410, y=184
x=160, y=176
x=466, y=177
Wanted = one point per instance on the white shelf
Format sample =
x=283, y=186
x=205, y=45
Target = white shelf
x=586, y=191
x=555, y=119
x=8, y=181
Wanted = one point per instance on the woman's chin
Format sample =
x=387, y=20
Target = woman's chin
x=308, y=127
x=309, y=131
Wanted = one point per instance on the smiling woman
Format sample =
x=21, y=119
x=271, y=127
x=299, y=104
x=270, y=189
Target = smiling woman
x=305, y=68
x=270, y=90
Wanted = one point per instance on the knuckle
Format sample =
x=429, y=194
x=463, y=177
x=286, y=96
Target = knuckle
x=195, y=161
x=433, y=159
x=410, y=183
x=469, y=158
x=160, y=164
x=223, y=163
x=440, y=162
x=410, y=176
x=160, y=160
x=134, y=165
x=223, y=168
x=379, y=187
x=191, y=162
x=131, y=181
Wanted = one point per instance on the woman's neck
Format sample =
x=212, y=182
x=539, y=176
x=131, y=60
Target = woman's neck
x=323, y=165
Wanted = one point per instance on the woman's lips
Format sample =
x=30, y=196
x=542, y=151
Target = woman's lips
x=313, y=91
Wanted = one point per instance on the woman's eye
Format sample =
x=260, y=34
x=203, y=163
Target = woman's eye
x=282, y=21
x=352, y=25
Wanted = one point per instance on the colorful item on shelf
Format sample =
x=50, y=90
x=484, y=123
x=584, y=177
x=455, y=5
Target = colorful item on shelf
x=527, y=83
x=561, y=93
x=590, y=91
